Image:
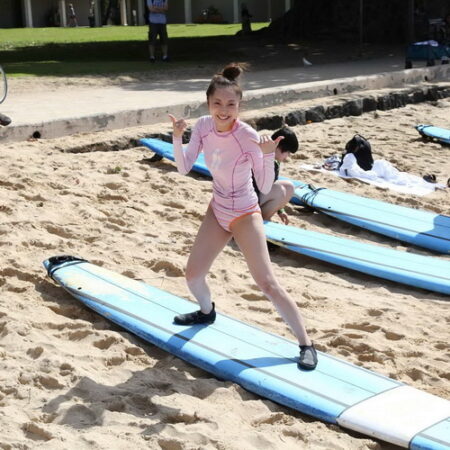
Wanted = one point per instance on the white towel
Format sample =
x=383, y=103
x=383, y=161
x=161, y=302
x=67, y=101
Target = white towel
x=406, y=183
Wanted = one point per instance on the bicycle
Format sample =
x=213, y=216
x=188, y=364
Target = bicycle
x=3, y=85
x=4, y=120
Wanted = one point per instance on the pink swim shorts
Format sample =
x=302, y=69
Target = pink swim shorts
x=226, y=216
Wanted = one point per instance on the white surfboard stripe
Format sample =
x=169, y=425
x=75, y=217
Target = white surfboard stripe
x=397, y=415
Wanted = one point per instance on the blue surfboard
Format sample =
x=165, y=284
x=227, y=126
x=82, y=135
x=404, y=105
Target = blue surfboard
x=434, y=133
x=414, y=226
x=419, y=271
x=263, y=363
x=414, y=270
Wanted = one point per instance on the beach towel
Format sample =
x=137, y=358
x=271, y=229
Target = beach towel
x=383, y=175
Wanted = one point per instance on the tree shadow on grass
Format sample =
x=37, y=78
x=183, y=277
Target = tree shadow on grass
x=122, y=56
x=132, y=56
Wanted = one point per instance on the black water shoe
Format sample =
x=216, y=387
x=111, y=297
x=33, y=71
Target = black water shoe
x=196, y=317
x=308, y=357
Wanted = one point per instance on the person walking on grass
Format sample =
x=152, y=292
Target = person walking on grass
x=233, y=150
x=72, y=16
x=157, y=27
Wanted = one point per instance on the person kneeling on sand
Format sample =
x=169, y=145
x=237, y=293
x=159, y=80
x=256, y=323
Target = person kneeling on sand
x=282, y=190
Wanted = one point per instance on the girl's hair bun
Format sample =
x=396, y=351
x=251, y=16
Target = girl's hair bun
x=232, y=71
x=227, y=78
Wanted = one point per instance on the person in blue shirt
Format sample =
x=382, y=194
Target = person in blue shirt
x=157, y=27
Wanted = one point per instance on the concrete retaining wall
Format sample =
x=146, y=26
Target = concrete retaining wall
x=254, y=100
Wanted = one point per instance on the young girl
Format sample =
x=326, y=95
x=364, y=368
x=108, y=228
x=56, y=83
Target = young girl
x=232, y=151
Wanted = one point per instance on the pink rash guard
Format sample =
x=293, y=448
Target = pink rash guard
x=231, y=157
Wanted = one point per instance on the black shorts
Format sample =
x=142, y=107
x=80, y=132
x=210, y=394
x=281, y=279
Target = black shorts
x=155, y=30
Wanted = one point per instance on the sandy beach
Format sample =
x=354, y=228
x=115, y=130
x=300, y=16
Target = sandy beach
x=71, y=379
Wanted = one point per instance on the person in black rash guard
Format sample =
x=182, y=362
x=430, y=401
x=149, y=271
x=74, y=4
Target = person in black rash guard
x=282, y=190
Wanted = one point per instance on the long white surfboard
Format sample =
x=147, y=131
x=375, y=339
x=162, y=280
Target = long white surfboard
x=263, y=363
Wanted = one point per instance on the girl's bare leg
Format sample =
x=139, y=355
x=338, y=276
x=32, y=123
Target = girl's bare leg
x=280, y=194
x=210, y=241
x=249, y=234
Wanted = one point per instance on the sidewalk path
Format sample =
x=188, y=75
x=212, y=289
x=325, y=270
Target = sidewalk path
x=86, y=109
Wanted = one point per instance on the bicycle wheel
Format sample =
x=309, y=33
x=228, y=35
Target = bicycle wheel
x=3, y=85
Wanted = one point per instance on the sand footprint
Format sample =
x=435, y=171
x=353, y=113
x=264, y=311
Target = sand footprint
x=35, y=352
x=11, y=272
x=104, y=344
x=135, y=351
x=66, y=369
x=390, y=335
x=331, y=333
x=179, y=234
x=40, y=244
x=118, y=221
x=182, y=417
x=12, y=186
x=415, y=374
x=60, y=231
x=33, y=198
x=169, y=443
x=174, y=204
x=114, y=361
x=254, y=297
x=374, y=312
x=112, y=197
x=4, y=329
x=78, y=335
x=5, y=209
x=113, y=227
x=114, y=186
x=168, y=267
x=49, y=382
x=266, y=310
x=442, y=346
x=79, y=416
x=58, y=326
x=354, y=335
x=272, y=419
x=36, y=433
x=74, y=312
x=365, y=326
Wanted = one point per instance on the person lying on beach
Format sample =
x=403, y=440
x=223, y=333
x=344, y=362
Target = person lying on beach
x=232, y=151
x=358, y=162
x=282, y=190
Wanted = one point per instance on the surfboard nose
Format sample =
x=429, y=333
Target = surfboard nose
x=55, y=262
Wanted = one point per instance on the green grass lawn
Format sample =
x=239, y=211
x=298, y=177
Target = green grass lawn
x=107, y=50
